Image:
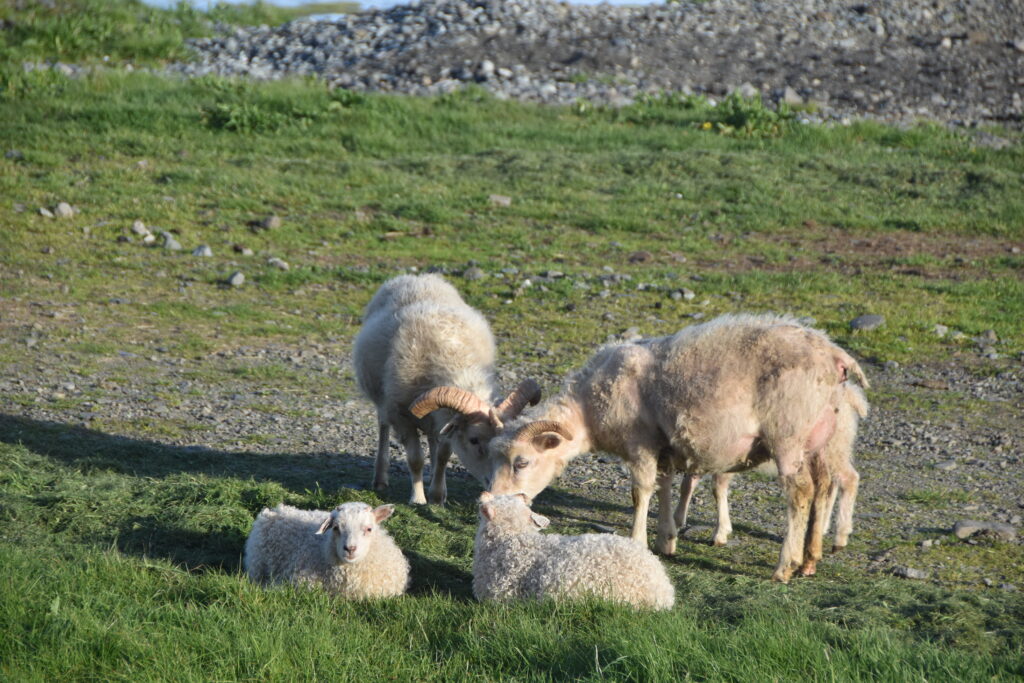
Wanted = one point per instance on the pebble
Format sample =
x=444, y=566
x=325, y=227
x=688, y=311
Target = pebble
x=867, y=322
x=966, y=528
x=278, y=263
x=244, y=251
x=910, y=573
x=64, y=210
x=236, y=279
x=203, y=250
x=139, y=228
x=170, y=242
x=499, y=200
x=940, y=330
x=947, y=466
x=271, y=222
x=43, y=211
x=474, y=273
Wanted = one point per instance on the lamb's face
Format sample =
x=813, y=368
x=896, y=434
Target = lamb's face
x=511, y=513
x=469, y=436
x=352, y=527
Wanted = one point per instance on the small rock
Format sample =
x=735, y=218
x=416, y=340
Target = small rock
x=278, y=263
x=927, y=543
x=499, y=200
x=867, y=322
x=946, y=43
x=202, y=250
x=639, y=257
x=170, y=242
x=271, y=222
x=940, y=330
x=474, y=273
x=966, y=528
x=14, y=155
x=688, y=294
x=890, y=365
x=46, y=213
x=236, y=279
x=947, y=466
x=148, y=239
x=910, y=573
x=139, y=228
x=1018, y=45
x=244, y=251
x=1008, y=587
x=791, y=97
x=64, y=210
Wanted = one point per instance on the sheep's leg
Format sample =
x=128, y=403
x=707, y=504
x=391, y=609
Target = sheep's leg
x=823, y=488
x=686, y=490
x=645, y=471
x=722, y=499
x=380, y=473
x=440, y=452
x=666, y=539
x=849, y=480
x=798, y=488
x=414, y=456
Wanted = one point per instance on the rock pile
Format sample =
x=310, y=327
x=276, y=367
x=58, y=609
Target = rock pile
x=960, y=61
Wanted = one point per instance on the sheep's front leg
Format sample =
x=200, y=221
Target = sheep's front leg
x=722, y=499
x=667, y=530
x=414, y=456
x=686, y=491
x=798, y=488
x=644, y=470
x=380, y=473
x=440, y=452
x=823, y=489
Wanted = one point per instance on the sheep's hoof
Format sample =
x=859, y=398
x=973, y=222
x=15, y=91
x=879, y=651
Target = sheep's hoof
x=380, y=486
x=837, y=548
x=719, y=542
x=666, y=546
x=809, y=569
x=438, y=500
x=417, y=500
x=782, y=575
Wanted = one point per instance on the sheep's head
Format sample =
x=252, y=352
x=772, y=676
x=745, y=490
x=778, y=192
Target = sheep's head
x=352, y=527
x=528, y=458
x=476, y=422
x=511, y=513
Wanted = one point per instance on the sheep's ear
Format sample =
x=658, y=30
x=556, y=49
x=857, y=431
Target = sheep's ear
x=451, y=425
x=486, y=496
x=541, y=521
x=383, y=512
x=326, y=525
x=487, y=510
x=547, y=441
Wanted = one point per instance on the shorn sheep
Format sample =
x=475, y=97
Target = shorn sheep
x=513, y=560
x=417, y=335
x=838, y=457
x=722, y=396
x=344, y=551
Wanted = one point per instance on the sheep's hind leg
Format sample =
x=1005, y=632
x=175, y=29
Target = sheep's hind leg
x=799, y=489
x=686, y=490
x=722, y=481
x=849, y=480
x=380, y=473
x=823, y=489
x=440, y=452
x=667, y=530
x=414, y=456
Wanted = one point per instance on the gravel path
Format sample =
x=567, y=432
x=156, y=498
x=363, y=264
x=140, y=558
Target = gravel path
x=958, y=61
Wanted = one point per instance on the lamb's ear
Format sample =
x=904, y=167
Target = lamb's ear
x=541, y=521
x=326, y=525
x=487, y=510
x=486, y=496
x=383, y=512
x=526, y=498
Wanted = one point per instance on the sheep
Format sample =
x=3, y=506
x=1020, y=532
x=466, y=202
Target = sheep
x=838, y=456
x=722, y=396
x=344, y=551
x=417, y=335
x=512, y=559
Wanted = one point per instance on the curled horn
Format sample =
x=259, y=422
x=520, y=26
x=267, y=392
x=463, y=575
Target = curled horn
x=460, y=400
x=527, y=432
x=528, y=392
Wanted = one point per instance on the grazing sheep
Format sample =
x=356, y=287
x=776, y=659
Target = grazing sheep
x=418, y=334
x=722, y=396
x=345, y=551
x=838, y=456
x=513, y=560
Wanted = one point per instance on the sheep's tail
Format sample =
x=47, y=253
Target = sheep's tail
x=848, y=366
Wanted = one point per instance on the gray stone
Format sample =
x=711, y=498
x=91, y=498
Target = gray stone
x=792, y=97
x=203, y=250
x=940, y=330
x=46, y=213
x=947, y=466
x=966, y=528
x=271, y=222
x=499, y=200
x=867, y=322
x=474, y=273
x=236, y=279
x=278, y=263
x=139, y=228
x=170, y=242
x=64, y=210
x=910, y=573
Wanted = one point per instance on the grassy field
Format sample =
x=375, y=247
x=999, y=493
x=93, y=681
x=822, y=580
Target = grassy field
x=120, y=545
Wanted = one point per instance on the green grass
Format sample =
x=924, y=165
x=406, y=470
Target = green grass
x=139, y=577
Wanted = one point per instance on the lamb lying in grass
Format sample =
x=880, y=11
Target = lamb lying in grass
x=512, y=559
x=345, y=551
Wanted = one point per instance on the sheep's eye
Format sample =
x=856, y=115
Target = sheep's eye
x=368, y=529
x=520, y=463
x=474, y=440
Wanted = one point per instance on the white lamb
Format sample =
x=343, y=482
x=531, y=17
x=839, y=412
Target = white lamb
x=418, y=335
x=513, y=560
x=722, y=396
x=344, y=551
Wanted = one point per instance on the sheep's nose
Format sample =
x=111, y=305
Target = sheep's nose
x=350, y=549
